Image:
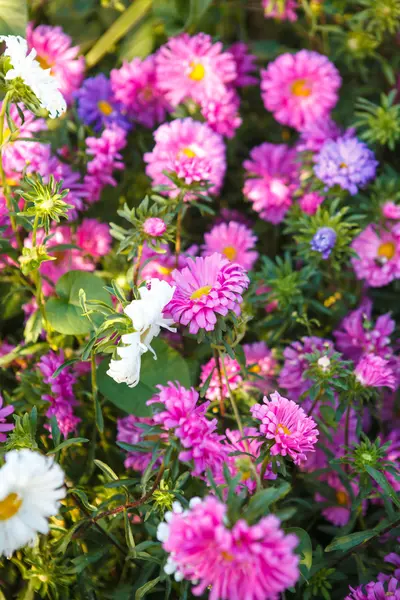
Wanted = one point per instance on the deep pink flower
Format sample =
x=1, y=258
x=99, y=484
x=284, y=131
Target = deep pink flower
x=285, y=422
x=245, y=64
x=271, y=179
x=379, y=590
x=233, y=240
x=160, y=265
x=261, y=362
x=310, y=202
x=394, y=559
x=189, y=148
x=245, y=562
x=5, y=412
x=93, y=237
x=390, y=210
x=339, y=513
x=192, y=67
x=207, y=287
x=221, y=112
x=215, y=389
x=272, y=10
x=55, y=52
x=135, y=87
x=207, y=450
x=154, y=226
x=130, y=433
x=375, y=371
x=378, y=260
x=300, y=88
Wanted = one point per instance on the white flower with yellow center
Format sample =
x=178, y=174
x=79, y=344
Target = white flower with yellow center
x=31, y=487
x=147, y=319
x=24, y=66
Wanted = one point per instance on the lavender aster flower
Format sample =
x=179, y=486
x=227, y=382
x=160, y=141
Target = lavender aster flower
x=346, y=162
x=324, y=241
x=97, y=106
x=5, y=412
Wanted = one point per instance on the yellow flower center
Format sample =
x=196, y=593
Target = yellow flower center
x=343, y=165
x=285, y=429
x=227, y=556
x=9, y=506
x=188, y=152
x=165, y=270
x=230, y=252
x=105, y=107
x=246, y=475
x=203, y=291
x=255, y=369
x=44, y=63
x=387, y=250
x=197, y=72
x=147, y=93
x=342, y=498
x=300, y=88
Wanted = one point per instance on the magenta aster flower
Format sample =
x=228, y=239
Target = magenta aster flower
x=310, y=202
x=292, y=374
x=376, y=590
x=300, y=88
x=359, y=335
x=55, y=52
x=273, y=10
x=207, y=450
x=283, y=421
x=205, y=288
x=394, y=559
x=93, y=237
x=271, y=179
x=193, y=67
x=5, y=412
x=314, y=134
x=245, y=65
x=390, y=210
x=222, y=112
x=339, y=513
x=135, y=86
x=378, y=260
x=233, y=372
x=233, y=240
x=154, y=226
x=375, y=371
x=189, y=148
x=130, y=433
x=245, y=562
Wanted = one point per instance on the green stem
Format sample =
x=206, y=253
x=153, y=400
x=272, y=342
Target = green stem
x=34, y=231
x=231, y=397
x=136, y=270
x=264, y=465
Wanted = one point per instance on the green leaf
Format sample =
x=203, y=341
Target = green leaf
x=304, y=548
x=260, y=502
x=111, y=475
x=147, y=587
x=64, y=313
x=99, y=415
x=346, y=542
x=33, y=327
x=140, y=42
x=198, y=8
x=66, y=443
x=67, y=363
x=118, y=29
x=169, y=366
x=13, y=17
x=383, y=482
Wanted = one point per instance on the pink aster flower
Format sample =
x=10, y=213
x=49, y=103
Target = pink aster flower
x=193, y=67
x=358, y=334
x=154, y=227
x=233, y=240
x=245, y=562
x=261, y=362
x=135, y=86
x=292, y=376
x=189, y=148
x=374, y=371
x=207, y=287
x=376, y=590
x=273, y=10
x=221, y=112
x=314, y=134
x=55, y=52
x=245, y=64
x=207, y=450
x=340, y=512
x=271, y=179
x=93, y=237
x=390, y=210
x=5, y=412
x=283, y=421
x=130, y=433
x=216, y=386
x=310, y=202
x=378, y=260
x=300, y=88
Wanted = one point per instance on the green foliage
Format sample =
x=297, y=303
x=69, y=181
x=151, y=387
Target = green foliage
x=13, y=17
x=379, y=124
x=47, y=200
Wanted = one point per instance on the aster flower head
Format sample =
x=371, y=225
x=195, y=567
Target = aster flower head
x=130, y=432
x=205, y=288
x=218, y=387
x=282, y=11
x=314, y=134
x=310, y=202
x=5, y=411
x=390, y=210
x=338, y=513
x=154, y=226
x=55, y=52
x=39, y=88
x=287, y=425
x=135, y=87
x=376, y=590
x=378, y=255
x=323, y=241
x=93, y=237
x=233, y=240
x=375, y=371
x=346, y=162
x=261, y=362
x=221, y=112
x=97, y=105
x=246, y=562
x=245, y=64
x=300, y=88
x=271, y=179
x=193, y=67
x=191, y=150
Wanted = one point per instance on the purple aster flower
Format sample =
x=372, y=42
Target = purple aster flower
x=324, y=241
x=4, y=426
x=346, y=162
x=97, y=106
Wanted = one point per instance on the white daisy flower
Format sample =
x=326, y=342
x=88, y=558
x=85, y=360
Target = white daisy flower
x=147, y=319
x=30, y=491
x=27, y=68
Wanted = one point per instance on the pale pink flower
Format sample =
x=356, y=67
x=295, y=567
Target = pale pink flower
x=375, y=371
x=154, y=227
x=219, y=387
x=310, y=202
x=300, y=88
x=221, y=112
x=233, y=240
x=261, y=362
x=378, y=260
x=93, y=237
